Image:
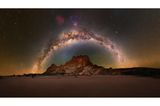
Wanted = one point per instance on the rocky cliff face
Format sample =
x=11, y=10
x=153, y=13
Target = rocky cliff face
x=78, y=65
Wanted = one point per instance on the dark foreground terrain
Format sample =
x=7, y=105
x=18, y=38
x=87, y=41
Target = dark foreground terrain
x=83, y=86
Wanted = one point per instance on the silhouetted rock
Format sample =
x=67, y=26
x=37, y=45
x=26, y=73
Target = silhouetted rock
x=78, y=65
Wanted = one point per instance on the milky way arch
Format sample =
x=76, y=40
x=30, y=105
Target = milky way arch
x=80, y=34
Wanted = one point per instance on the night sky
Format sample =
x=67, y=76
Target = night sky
x=24, y=33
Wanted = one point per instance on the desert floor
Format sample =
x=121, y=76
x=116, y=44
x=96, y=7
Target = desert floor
x=83, y=86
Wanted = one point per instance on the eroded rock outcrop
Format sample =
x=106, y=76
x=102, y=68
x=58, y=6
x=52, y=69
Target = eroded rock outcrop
x=78, y=65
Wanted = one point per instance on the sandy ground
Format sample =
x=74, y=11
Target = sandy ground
x=84, y=86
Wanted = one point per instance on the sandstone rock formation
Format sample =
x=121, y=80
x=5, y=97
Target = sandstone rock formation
x=78, y=65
